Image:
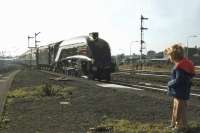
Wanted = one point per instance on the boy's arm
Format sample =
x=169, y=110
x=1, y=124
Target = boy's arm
x=179, y=79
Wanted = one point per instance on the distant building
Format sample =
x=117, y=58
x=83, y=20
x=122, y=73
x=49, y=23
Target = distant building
x=193, y=54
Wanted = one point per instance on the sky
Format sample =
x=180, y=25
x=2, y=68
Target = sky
x=117, y=21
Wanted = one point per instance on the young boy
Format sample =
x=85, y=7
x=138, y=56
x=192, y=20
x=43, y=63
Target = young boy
x=179, y=85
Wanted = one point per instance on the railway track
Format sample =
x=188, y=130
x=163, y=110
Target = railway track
x=139, y=85
x=158, y=73
x=152, y=77
x=149, y=86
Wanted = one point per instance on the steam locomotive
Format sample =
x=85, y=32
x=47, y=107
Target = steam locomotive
x=90, y=55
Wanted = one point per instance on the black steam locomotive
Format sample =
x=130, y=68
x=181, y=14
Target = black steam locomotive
x=90, y=55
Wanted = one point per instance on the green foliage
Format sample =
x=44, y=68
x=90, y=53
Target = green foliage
x=49, y=90
x=66, y=92
x=25, y=92
x=194, y=124
x=41, y=90
x=4, y=123
x=17, y=93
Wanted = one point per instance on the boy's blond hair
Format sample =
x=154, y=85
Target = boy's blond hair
x=176, y=52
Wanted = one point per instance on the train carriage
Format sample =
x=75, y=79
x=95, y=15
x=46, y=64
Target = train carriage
x=46, y=56
x=43, y=56
x=28, y=58
x=53, y=50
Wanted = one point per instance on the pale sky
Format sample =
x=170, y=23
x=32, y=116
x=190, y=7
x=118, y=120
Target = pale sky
x=117, y=21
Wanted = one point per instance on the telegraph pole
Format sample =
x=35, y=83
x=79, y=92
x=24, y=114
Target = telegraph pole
x=36, y=34
x=142, y=39
x=30, y=37
x=34, y=47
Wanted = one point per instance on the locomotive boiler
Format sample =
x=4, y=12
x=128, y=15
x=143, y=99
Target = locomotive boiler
x=91, y=46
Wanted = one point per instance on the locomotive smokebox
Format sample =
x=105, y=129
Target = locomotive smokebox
x=94, y=35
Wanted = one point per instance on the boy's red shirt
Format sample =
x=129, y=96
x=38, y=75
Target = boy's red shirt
x=186, y=65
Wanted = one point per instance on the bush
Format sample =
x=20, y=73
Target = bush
x=48, y=90
x=17, y=93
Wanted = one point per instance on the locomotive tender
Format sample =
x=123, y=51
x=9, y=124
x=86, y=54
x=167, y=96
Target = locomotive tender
x=56, y=56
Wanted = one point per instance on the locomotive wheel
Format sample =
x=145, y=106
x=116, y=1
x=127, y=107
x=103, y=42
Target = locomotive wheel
x=91, y=76
x=108, y=78
x=99, y=78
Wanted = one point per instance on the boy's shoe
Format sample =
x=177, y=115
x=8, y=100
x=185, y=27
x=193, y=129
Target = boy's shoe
x=170, y=126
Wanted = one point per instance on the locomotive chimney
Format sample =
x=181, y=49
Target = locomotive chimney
x=94, y=35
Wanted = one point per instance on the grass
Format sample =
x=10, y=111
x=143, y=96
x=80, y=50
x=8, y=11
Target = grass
x=40, y=91
x=29, y=78
x=22, y=93
x=28, y=109
x=24, y=99
x=126, y=126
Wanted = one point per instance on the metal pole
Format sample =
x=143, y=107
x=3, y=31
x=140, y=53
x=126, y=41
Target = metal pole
x=36, y=34
x=28, y=41
x=29, y=37
x=141, y=39
x=30, y=51
x=187, y=48
x=31, y=58
x=193, y=36
x=25, y=60
x=130, y=50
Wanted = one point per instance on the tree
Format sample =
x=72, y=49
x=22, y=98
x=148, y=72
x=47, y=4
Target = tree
x=151, y=54
x=159, y=55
